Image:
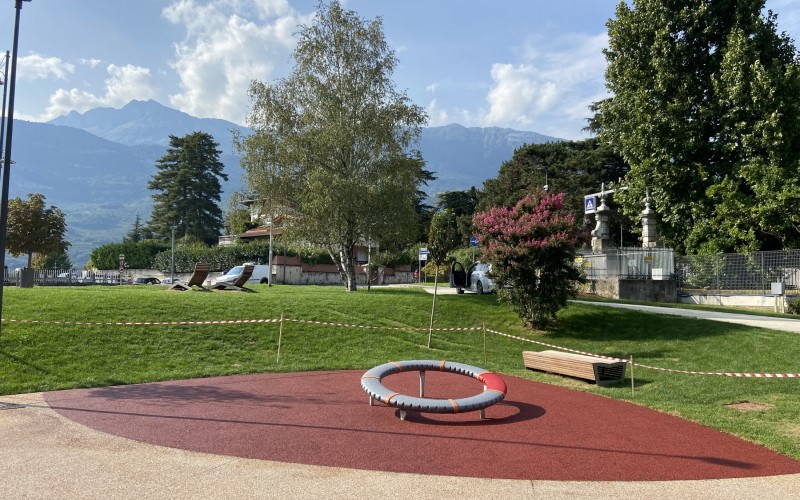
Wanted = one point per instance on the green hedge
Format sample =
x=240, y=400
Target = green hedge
x=138, y=255
x=223, y=258
x=151, y=254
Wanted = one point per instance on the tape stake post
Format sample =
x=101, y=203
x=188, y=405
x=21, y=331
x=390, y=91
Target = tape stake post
x=632, y=394
x=280, y=336
x=484, y=343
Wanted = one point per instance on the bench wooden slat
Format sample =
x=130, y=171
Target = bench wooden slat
x=599, y=370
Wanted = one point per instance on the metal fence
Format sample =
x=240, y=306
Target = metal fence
x=629, y=263
x=745, y=274
x=67, y=277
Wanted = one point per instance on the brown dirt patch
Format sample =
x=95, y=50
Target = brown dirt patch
x=745, y=406
x=792, y=430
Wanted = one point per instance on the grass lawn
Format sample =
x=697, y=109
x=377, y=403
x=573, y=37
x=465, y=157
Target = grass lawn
x=55, y=355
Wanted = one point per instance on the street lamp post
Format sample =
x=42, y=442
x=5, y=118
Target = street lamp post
x=172, y=259
x=7, y=149
x=4, y=83
x=3, y=122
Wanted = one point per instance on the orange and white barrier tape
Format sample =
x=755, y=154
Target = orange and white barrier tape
x=671, y=370
x=230, y=322
x=138, y=323
x=394, y=328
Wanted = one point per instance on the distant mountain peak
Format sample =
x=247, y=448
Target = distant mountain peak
x=95, y=165
x=145, y=122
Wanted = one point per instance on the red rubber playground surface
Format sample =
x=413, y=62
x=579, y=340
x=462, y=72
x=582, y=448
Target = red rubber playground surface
x=323, y=418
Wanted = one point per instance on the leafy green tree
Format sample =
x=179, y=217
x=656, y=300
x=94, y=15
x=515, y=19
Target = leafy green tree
x=188, y=188
x=443, y=238
x=34, y=228
x=576, y=168
x=463, y=204
x=334, y=142
x=237, y=218
x=705, y=102
x=52, y=261
x=532, y=248
x=422, y=207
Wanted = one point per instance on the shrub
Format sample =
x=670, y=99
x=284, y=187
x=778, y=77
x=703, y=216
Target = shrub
x=532, y=249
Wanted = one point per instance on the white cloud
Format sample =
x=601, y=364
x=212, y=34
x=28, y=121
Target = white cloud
x=228, y=43
x=432, y=88
x=123, y=84
x=518, y=94
x=436, y=115
x=92, y=63
x=38, y=67
x=556, y=80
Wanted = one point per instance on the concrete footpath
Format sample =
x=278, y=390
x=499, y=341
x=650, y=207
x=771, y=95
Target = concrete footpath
x=45, y=455
x=773, y=323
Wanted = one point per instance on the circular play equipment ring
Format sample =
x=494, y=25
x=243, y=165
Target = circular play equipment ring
x=494, y=389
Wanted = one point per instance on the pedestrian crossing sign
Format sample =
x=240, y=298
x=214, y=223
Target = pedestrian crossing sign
x=589, y=204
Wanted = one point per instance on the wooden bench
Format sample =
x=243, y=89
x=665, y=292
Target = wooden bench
x=601, y=371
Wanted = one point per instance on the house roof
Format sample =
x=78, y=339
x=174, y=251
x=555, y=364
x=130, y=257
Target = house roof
x=261, y=232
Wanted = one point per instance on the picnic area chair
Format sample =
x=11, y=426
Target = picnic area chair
x=237, y=285
x=201, y=270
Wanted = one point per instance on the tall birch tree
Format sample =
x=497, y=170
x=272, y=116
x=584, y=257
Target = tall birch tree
x=334, y=143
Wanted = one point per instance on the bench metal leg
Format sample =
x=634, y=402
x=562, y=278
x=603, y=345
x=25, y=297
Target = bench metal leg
x=422, y=384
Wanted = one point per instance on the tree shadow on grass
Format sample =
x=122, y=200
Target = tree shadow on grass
x=18, y=360
x=596, y=322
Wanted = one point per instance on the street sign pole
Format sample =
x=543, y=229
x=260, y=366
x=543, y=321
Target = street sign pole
x=473, y=242
x=423, y=256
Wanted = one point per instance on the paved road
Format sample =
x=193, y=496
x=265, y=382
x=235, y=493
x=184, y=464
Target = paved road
x=785, y=324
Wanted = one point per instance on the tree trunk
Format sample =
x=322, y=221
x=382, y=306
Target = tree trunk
x=347, y=269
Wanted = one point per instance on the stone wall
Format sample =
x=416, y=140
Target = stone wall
x=293, y=272
x=635, y=289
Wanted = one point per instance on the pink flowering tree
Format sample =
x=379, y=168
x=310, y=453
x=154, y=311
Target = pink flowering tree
x=532, y=251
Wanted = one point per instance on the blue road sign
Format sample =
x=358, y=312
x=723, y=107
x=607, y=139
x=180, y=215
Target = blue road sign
x=589, y=204
x=423, y=254
x=473, y=241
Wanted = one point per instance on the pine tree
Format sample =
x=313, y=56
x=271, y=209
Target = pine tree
x=137, y=231
x=188, y=185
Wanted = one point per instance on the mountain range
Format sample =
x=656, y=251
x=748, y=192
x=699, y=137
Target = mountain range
x=95, y=166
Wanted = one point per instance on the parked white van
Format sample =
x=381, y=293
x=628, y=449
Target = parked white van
x=260, y=274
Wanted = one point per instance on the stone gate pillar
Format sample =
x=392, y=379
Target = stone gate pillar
x=601, y=239
x=649, y=231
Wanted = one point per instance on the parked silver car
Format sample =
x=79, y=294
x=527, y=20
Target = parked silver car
x=476, y=278
x=480, y=280
x=147, y=281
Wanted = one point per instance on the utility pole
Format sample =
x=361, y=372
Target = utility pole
x=7, y=149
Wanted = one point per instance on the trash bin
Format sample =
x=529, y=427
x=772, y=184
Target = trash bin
x=26, y=278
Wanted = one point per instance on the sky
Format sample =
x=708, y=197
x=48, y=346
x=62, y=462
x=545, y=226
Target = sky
x=524, y=64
